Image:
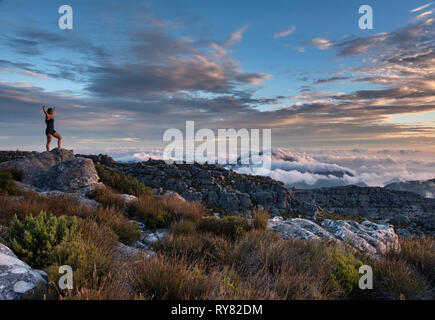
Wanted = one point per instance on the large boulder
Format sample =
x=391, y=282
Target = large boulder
x=72, y=174
x=369, y=237
x=56, y=170
x=16, y=277
x=299, y=229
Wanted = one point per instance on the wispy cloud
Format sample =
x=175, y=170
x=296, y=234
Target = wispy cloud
x=284, y=33
x=422, y=7
x=236, y=36
x=319, y=43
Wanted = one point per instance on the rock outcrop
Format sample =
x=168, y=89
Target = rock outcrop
x=424, y=188
x=369, y=237
x=218, y=188
x=375, y=203
x=56, y=170
x=16, y=277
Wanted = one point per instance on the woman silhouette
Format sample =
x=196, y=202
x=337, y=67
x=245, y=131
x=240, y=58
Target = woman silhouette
x=50, y=132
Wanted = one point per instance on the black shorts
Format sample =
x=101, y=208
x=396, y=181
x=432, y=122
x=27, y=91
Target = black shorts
x=47, y=132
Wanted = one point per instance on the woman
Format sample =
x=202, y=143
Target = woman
x=50, y=132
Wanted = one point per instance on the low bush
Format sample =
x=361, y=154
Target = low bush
x=7, y=185
x=229, y=226
x=17, y=174
x=151, y=211
x=127, y=231
x=121, y=182
x=162, y=277
x=34, y=239
x=186, y=210
x=32, y=202
x=260, y=219
x=420, y=253
x=107, y=198
x=183, y=227
x=159, y=212
x=206, y=247
x=395, y=279
x=91, y=252
x=344, y=273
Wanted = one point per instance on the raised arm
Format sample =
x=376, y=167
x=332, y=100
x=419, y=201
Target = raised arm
x=45, y=111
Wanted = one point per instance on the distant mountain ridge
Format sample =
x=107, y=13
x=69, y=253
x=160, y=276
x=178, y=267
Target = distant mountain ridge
x=425, y=188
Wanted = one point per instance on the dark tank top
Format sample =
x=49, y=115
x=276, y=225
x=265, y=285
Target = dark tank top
x=50, y=125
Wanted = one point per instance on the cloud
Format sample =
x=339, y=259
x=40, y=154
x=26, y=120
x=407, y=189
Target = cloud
x=421, y=7
x=236, y=37
x=320, y=43
x=284, y=33
x=332, y=79
x=424, y=14
x=156, y=78
x=328, y=168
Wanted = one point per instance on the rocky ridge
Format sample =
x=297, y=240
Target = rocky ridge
x=406, y=209
x=223, y=191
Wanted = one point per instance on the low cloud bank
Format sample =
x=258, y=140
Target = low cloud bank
x=308, y=169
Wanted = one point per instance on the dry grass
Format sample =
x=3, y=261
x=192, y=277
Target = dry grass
x=395, y=279
x=169, y=278
x=229, y=226
x=159, y=212
x=206, y=259
x=32, y=203
x=420, y=253
x=260, y=219
x=186, y=210
x=107, y=198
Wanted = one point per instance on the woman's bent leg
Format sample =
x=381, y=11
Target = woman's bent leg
x=59, y=140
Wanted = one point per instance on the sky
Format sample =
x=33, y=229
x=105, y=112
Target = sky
x=129, y=70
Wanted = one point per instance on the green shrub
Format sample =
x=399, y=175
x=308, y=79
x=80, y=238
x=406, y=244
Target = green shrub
x=88, y=254
x=121, y=182
x=345, y=267
x=7, y=185
x=229, y=226
x=33, y=239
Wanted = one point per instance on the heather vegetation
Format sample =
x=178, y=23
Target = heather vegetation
x=203, y=257
x=121, y=182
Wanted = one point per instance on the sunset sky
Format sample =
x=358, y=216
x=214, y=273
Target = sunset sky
x=129, y=70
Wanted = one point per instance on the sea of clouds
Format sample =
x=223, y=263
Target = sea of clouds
x=309, y=169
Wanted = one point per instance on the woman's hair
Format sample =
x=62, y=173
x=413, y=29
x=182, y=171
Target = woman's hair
x=50, y=110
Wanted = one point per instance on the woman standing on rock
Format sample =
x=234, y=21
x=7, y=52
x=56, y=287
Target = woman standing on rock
x=50, y=132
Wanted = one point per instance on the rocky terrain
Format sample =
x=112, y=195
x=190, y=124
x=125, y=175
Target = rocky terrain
x=295, y=214
x=425, y=188
x=411, y=211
